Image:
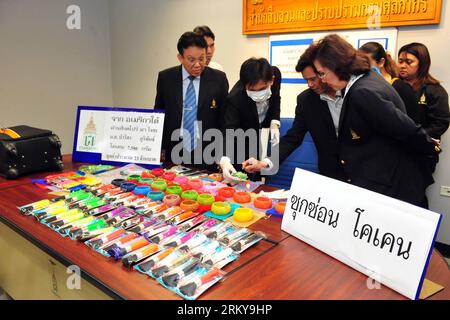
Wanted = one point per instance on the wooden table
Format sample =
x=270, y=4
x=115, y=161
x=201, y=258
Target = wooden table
x=290, y=269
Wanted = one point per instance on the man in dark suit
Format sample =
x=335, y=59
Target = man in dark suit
x=252, y=104
x=193, y=97
x=311, y=114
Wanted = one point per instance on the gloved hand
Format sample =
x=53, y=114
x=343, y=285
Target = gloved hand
x=252, y=165
x=228, y=170
x=274, y=136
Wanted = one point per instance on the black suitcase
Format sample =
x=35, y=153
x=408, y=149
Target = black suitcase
x=25, y=149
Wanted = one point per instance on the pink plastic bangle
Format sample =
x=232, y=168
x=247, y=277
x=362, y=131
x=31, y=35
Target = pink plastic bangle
x=172, y=200
x=195, y=184
x=181, y=180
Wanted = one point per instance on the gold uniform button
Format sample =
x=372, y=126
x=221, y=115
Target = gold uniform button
x=343, y=162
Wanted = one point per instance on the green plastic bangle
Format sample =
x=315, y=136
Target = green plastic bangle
x=206, y=199
x=135, y=177
x=221, y=208
x=190, y=195
x=160, y=185
x=174, y=190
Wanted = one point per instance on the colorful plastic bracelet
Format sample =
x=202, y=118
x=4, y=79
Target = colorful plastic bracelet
x=280, y=207
x=128, y=186
x=147, y=181
x=156, y=195
x=189, y=195
x=195, y=184
x=158, y=172
x=216, y=176
x=117, y=182
x=189, y=205
x=181, y=179
x=142, y=190
x=134, y=177
x=206, y=199
x=212, y=188
x=226, y=192
x=159, y=185
x=172, y=200
x=262, y=203
x=168, y=175
x=175, y=189
x=243, y=214
x=242, y=197
x=221, y=208
x=147, y=175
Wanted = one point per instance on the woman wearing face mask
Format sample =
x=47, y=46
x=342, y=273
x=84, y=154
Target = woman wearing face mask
x=252, y=104
x=379, y=146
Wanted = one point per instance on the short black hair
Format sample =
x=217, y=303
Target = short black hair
x=190, y=39
x=253, y=70
x=306, y=60
x=204, y=31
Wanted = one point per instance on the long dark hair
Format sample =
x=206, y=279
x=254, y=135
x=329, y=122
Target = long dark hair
x=377, y=52
x=423, y=76
x=341, y=57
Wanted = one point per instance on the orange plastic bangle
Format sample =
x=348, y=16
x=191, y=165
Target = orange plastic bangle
x=280, y=207
x=262, y=203
x=242, y=197
x=226, y=192
x=189, y=205
x=172, y=200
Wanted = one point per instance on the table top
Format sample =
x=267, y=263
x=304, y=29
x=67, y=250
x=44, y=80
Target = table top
x=281, y=268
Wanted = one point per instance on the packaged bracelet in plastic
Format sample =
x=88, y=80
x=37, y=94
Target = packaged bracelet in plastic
x=220, y=258
x=171, y=279
x=219, y=230
x=169, y=213
x=38, y=205
x=67, y=217
x=123, y=239
x=197, y=240
x=102, y=209
x=94, y=233
x=162, y=235
x=189, y=224
x=143, y=225
x=77, y=232
x=98, y=241
x=183, y=217
x=64, y=230
x=174, y=260
x=155, y=229
x=191, y=287
x=140, y=254
x=114, y=212
x=51, y=210
x=181, y=240
x=132, y=222
x=205, y=249
x=206, y=226
x=147, y=264
x=234, y=236
x=244, y=243
x=122, y=216
x=121, y=250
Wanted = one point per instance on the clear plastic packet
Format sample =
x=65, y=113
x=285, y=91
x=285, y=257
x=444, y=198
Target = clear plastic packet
x=171, y=278
x=105, y=238
x=191, y=288
x=243, y=244
x=233, y=236
x=135, y=256
x=173, y=260
x=147, y=264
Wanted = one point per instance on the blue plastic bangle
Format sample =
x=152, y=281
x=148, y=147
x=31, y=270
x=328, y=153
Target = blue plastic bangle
x=128, y=186
x=156, y=195
x=142, y=190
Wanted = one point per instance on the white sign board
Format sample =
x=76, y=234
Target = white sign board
x=285, y=50
x=386, y=239
x=113, y=135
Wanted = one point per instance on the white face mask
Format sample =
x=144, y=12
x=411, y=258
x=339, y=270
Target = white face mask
x=260, y=96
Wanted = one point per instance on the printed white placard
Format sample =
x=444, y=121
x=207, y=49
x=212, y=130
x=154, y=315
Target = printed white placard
x=386, y=239
x=133, y=137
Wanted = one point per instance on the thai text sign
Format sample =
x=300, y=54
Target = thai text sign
x=118, y=135
x=279, y=16
x=386, y=239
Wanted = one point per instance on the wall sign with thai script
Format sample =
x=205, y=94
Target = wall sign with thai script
x=281, y=16
x=388, y=240
x=118, y=135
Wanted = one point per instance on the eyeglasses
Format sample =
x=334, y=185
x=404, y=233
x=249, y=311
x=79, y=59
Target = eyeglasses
x=322, y=75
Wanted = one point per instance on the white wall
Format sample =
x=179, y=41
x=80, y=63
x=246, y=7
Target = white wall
x=144, y=41
x=437, y=38
x=47, y=70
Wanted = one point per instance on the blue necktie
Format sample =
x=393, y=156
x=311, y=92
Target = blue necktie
x=190, y=116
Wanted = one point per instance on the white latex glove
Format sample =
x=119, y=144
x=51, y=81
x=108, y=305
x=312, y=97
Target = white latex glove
x=274, y=135
x=228, y=170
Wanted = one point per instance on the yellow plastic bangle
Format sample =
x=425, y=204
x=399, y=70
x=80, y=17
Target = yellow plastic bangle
x=243, y=214
x=221, y=208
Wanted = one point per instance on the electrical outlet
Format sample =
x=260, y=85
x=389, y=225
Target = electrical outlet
x=445, y=191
